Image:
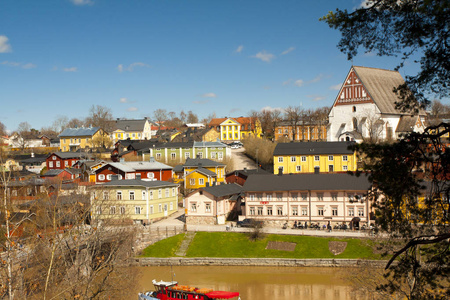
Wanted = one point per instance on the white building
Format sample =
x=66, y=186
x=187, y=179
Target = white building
x=365, y=108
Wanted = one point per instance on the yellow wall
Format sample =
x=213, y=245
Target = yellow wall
x=220, y=171
x=307, y=166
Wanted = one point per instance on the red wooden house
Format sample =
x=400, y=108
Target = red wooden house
x=63, y=160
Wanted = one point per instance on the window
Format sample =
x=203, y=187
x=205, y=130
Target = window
x=158, y=156
x=298, y=168
x=304, y=211
x=269, y=211
x=174, y=191
x=316, y=157
x=280, y=210
x=252, y=197
x=144, y=195
x=220, y=155
x=66, y=163
x=131, y=195
x=150, y=196
x=187, y=155
x=101, y=177
x=269, y=197
x=294, y=196
x=320, y=211
x=160, y=208
x=345, y=168
x=192, y=181
x=54, y=157
x=295, y=211
x=334, y=196
x=334, y=211
x=303, y=158
x=171, y=205
x=112, y=210
x=160, y=193
x=201, y=181
x=122, y=210
x=108, y=177
x=137, y=210
x=351, y=211
x=345, y=158
x=119, y=195
x=330, y=168
x=252, y=210
x=330, y=157
x=316, y=170
x=280, y=159
x=351, y=198
x=50, y=164
x=304, y=196
x=279, y=196
x=354, y=108
x=167, y=192
x=208, y=207
x=361, y=212
x=260, y=210
x=173, y=156
x=293, y=158
x=105, y=195
x=320, y=196
x=99, y=210
x=213, y=155
x=150, y=175
x=235, y=135
x=194, y=207
x=230, y=136
x=259, y=196
x=151, y=209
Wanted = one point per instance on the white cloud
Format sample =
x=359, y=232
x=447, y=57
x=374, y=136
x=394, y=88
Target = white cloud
x=132, y=108
x=4, y=45
x=123, y=100
x=264, y=56
x=336, y=87
x=316, y=97
x=131, y=67
x=365, y=4
x=201, y=101
x=287, y=82
x=269, y=108
x=290, y=49
x=72, y=69
x=317, y=78
x=299, y=82
x=82, y=2
x=18, y=64
x=239, y=49
x=209, y=95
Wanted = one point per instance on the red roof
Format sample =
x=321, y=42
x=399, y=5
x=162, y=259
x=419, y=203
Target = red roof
x=222, y=295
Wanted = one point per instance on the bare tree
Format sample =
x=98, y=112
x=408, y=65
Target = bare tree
x=2, y=129
x=293, y=115
x=100, y=116
x=160, y=116
x=191, y=117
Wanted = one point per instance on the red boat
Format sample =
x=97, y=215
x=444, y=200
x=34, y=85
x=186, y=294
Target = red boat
x=172, y=291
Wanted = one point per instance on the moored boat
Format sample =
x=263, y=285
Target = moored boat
x=172, y=291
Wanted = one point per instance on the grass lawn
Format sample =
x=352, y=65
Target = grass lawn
x=164, y=248
x=233, y=244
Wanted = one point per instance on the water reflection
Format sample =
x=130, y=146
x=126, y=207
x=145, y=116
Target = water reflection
x=280, y=283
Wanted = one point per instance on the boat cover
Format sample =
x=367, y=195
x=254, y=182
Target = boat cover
x=222, y=295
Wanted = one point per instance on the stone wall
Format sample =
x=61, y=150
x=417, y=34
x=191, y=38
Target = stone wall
x=267, y=262
x=200, y=220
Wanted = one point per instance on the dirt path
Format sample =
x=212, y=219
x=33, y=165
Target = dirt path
x=240, y=160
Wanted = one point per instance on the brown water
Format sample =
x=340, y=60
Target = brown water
x=280, y=283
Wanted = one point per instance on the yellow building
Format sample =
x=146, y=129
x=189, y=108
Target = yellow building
x=134, y=200
x=198, y=172
x=72, y=139
x=314, y=157
x=236, y=129
x=131, y=129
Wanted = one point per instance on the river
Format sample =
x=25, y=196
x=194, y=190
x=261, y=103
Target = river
x=280, y=283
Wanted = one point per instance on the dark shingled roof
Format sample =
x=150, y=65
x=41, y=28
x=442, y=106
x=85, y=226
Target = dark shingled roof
x=247, y=172
x=304, y=182
x=195, y=162
x=90, y=131
x=130, y=125
x=65, y=155
x=312, y=148
x=224, y=190
x=204, y=172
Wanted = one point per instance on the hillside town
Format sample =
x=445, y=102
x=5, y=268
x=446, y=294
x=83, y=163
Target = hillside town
x=141, y=171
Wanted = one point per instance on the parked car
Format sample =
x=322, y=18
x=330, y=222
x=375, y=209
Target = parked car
x=250, y=223
x=236, y=145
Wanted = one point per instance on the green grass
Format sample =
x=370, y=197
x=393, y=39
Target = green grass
x=164, y=248
x=231, y=244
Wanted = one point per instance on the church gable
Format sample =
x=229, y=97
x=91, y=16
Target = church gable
x=353, y=91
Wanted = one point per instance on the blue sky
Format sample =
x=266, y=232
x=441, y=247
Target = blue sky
x=60, y=57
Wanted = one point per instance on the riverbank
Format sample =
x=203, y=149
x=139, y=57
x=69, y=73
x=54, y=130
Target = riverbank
x=256, y=262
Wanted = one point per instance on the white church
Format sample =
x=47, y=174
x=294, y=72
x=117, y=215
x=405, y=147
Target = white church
x=364, y=109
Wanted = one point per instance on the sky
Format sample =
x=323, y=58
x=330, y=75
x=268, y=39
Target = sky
x=60, y=57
